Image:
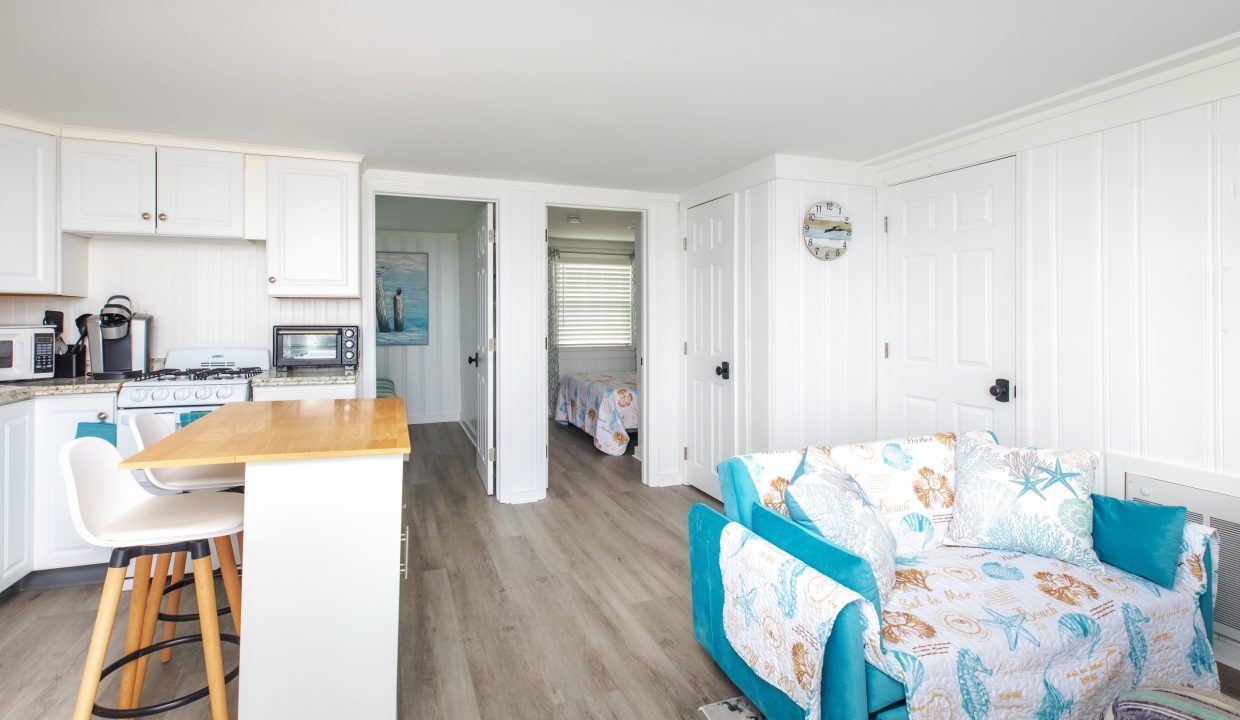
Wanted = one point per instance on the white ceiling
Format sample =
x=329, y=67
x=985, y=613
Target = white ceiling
x=637, y=94
x=615, y=225
x=431, y=215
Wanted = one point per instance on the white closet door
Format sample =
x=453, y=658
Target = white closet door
x=107, y=187
x=952, y=302
x=200, y=193
x=711, y=306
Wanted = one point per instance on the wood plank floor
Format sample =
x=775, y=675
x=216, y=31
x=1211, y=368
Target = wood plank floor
x=574, y=607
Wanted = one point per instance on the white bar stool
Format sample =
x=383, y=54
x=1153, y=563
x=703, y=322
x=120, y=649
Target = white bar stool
x=149, y=429
x=109, y=509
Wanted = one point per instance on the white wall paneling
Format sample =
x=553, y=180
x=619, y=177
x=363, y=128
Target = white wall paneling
x=597, y=360
x=428, y=376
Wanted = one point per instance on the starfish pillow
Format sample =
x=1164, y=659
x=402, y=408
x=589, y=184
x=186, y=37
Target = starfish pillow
x=1025, y=499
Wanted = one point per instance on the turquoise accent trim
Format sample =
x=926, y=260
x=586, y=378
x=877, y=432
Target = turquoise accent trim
x=1152, y=553
x=844, y=679
x=189, y=417
x=101, y=430
x=1206, y=602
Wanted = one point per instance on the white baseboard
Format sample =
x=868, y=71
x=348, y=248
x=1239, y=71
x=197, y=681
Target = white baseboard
x=667, y=479
x=468, y=433
x=526, y=496
x=434, y=418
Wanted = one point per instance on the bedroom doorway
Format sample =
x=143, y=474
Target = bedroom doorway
x=593, y=344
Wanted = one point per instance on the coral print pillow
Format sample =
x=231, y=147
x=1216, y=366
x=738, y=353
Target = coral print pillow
x=912, y=480
x=771, y=473
x=1025, y=499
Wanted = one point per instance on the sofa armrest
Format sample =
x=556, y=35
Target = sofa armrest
x=748, y=480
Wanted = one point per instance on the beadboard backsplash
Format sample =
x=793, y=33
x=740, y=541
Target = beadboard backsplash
x=200, y=293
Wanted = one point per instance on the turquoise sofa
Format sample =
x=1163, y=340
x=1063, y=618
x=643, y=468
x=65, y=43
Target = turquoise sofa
x=852, y=689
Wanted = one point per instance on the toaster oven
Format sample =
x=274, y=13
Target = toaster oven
x=314, y=346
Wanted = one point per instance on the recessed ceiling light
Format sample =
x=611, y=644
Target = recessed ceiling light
x=574, y=219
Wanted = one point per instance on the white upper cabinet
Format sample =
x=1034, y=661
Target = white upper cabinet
x=107, y=187
x=199, y=192
x=312, y=228
x=123, y=188
x=28, y=236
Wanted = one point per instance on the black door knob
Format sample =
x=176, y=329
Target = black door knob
x=1001, y=390
x=472, y=359
x=722, y=370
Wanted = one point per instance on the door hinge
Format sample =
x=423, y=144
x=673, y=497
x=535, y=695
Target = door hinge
x=685, y=245
x=491, y=234
x=491, y=454
x=546, y=343
x=885, y=224
x=886, y=351
x=547, y=450
x=686, y=347
x=492, y=345
x=547, y=236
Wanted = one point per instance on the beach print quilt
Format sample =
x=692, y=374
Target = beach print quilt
x=604, y=404
x=982, y=633
x=778, y=614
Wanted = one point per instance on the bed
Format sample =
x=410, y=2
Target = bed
x=604, y=404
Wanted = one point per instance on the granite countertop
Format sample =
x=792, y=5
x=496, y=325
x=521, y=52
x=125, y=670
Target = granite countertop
x=305, y=376
x=17, y=391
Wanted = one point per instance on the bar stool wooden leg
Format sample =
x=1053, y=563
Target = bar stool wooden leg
x=174, y=602
x=154, y=598
x=232, y=583
x=133, y=628
x=204, y=587
x=241, y=547
x=113, y=583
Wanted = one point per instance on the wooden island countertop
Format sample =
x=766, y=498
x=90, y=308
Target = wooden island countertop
x=265, y=431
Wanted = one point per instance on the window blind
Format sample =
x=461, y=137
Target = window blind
x=595, y=294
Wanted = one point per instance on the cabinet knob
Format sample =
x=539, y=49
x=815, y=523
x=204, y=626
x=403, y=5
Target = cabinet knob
x=163, y=217
x=103, y=417
x=146, y=216
x=271, y=279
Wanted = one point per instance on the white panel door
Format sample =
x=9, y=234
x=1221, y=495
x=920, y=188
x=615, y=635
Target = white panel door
x=107, y=187
x=312, y=228
x=951, y=321
x=16, y=497
x=710, y=306
x=200, y=193
x=28, y=237
x=484, y=357
x=56, y=540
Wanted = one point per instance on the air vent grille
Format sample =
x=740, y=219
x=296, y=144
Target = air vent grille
x=1227, y=595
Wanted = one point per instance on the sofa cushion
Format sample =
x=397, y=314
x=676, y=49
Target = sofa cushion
x=1025, y=499
x=912, y=480
x=826, y=501
x=1019, y=635
x=1141, y=538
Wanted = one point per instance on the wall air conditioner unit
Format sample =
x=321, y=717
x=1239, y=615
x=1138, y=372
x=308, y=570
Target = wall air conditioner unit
x=1221, y=512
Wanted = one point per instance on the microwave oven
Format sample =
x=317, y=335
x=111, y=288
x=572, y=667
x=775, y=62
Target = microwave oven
x=27, y=352
x=314, y=346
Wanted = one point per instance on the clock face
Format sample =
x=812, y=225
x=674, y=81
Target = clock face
x=827, y=231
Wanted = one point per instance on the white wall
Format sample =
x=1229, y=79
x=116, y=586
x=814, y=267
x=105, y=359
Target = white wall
x=200, y=292
x=428, y=376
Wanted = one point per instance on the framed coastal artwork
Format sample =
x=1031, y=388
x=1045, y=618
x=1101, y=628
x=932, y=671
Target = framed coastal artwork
x=402, y=298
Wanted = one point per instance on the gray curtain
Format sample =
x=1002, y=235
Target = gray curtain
x=553, y=329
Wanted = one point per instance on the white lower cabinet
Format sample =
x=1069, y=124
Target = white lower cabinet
x=16, y=492
x=306, y=392
x=56, y=541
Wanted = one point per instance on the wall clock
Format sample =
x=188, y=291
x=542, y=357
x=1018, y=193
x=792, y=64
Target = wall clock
x=826, y=231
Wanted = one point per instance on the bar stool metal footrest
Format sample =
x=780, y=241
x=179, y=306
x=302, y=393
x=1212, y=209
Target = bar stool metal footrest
x=168, y=705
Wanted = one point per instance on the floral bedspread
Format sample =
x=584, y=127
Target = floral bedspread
x=993, y=634
x=778, y=614
x=604, y=404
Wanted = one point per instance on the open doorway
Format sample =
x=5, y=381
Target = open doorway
x=594, y=354
x=434, y=299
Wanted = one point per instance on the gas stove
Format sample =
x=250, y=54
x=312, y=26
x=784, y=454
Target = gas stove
x=196, y=379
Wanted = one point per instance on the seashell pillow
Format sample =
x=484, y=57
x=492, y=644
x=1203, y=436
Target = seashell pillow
x=826, y=500
x=1026, y=499
x=912, y=480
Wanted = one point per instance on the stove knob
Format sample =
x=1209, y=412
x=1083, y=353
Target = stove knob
x=224, y=393
x=203, y=393
x=138, y=395
x=159, y=395
x=180, y=394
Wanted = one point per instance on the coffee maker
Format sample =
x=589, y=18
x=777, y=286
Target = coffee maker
x=118, y=341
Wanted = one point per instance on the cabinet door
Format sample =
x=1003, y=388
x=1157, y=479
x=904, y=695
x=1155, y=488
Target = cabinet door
x=312, y=228
x=107, y=187
x=57, y=543
x=199, y=193
x=28, y=237
x=16, y=498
